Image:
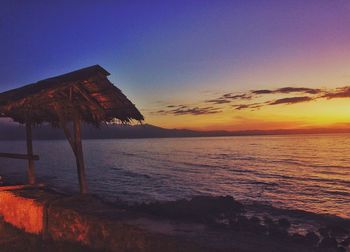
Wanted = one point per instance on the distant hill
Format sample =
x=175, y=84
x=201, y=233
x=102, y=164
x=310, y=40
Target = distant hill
x=17, y=132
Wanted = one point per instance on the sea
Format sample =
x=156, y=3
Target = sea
x=303, y=172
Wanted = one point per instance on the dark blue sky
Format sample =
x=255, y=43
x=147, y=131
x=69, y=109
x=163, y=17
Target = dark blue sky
x=148, y=42
x=176, y=51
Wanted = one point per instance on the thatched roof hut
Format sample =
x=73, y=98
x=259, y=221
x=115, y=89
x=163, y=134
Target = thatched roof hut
x=85, y=95
x=86, y=91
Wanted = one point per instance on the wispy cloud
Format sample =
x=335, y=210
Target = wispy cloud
x=234, y=96
x=251, y=106
x=229, y=97
x=313, y=94
x=288, y=100
x=288, y=90
x=342, y=92
x=219, y=101
x=291, y=100
x=237, y=100
x=189, y=110
x=262, y=91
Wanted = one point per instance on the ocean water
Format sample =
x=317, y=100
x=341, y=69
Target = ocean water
x=308, y=172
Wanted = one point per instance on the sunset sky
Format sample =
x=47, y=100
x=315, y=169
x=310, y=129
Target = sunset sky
x=205, y=65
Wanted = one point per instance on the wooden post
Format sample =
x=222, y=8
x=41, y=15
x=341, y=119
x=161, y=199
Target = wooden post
x=31, y=173
x=79, y=154
x=75, y=143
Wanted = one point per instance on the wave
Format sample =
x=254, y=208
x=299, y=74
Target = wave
x=128, y=173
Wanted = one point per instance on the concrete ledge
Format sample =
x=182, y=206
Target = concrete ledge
x=23, y=213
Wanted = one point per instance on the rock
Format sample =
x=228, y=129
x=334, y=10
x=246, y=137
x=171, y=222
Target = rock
x=312, y=238
x=243, y=223
x=260, y=229
x=297, y=238
x=324, y=232
x=284, y=223
x=233, y=224
x=341, y=249
x=337, y=229
x=277, y=233
x=200, y=209
x=268, y=221
x=256, y=226
x=255, y=220
x=345, y=242
x=328, y=242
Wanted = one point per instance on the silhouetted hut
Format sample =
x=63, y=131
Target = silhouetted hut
x=85, y=95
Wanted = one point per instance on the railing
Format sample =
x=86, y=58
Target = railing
x=29, y=156
x=19, y=156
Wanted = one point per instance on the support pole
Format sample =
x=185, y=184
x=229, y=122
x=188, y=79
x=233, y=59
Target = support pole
x=79, y=154
x=75, y=142
x=31, y=173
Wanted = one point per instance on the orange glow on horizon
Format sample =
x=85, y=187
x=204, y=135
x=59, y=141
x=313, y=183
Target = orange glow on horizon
x=314, y=114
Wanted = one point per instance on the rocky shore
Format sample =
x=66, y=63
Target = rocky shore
x=57, y=222
x=15, y=240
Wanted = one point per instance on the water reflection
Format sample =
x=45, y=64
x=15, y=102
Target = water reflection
x=309, y=172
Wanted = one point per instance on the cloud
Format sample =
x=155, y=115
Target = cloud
x=229, y=97
x=188, y=110
x=288, y=100
x=233, y=96
x=343, y=92
x=287, y=90
x=219, y=101
x=215, y=105
x=252, y=106
x=291, y=100
x=262, y=91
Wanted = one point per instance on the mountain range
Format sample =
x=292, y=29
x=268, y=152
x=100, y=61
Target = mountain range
x=46, y=132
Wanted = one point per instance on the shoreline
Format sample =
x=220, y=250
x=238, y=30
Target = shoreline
x=215, y=223
x=253, y=204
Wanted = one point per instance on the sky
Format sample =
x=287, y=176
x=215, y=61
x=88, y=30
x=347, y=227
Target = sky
x=204, y=65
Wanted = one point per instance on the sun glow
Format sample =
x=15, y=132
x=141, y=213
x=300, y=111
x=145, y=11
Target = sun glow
x=313, y=114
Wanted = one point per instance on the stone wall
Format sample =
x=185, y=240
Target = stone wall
x=90, y=222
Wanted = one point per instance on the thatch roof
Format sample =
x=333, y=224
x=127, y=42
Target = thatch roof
x=86, y=92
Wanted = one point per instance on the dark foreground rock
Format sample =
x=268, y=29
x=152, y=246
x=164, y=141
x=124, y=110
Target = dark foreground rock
x=15, y=240
x=84, y=223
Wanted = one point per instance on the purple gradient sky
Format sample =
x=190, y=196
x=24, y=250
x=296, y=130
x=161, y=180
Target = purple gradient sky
x=164, y=52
